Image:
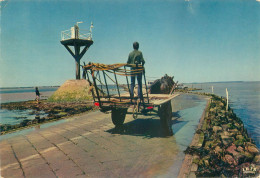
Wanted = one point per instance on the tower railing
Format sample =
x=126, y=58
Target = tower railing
x=70, y=34
x=85, y=34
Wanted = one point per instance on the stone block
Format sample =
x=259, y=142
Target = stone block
x=217, y=129
x=252, y=149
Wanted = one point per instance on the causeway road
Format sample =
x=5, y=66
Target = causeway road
x=87, y=145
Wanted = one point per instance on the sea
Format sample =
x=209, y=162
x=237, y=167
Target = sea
x=244, y=99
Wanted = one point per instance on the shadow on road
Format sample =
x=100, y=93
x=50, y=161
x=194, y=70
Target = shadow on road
x=177, y=123
x=148, y=128
x=176, y=115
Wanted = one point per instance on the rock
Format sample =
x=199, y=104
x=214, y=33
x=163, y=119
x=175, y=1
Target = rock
x=201, y=139
x=218, y=149
x=194, y=168
x=206, y=162
x=209, y=144
x=248, y=156
x=232, y=149
x=252, y=149
x=212, y=109
x=41, y=120
x=240, y=149
x=239, y=157
x=230, y=160
x=217, y=128
x=225, y=127
x=257, y=159
x=196, y=160
x=239, y=126
x=239, y=142
x=221, y=104
x=35, y=121
x=249, y=144
x=226, y=140
x=230, y=125
x=233, y=131
x=20, y=117
x=226, y=133
x=239, y=137
x=29, y=123
x=24, y=122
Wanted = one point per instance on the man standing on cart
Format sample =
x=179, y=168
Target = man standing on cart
x=136, y=58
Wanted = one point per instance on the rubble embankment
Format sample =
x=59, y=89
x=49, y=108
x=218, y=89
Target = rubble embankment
x=223, y=146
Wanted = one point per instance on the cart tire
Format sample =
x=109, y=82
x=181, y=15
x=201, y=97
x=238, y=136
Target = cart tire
x=118, y=116
x=165, y=113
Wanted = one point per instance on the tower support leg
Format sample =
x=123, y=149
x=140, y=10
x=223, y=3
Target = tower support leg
x=77, y=60
x=77, y=56
x=77, y=70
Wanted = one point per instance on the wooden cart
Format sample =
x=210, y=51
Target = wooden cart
x=108, y=94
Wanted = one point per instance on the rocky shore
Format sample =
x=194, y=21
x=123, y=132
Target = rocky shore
x=43, y=111
x=223, y=147
x=72, y=97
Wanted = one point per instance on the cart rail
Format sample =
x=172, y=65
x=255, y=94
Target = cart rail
x=100, y=76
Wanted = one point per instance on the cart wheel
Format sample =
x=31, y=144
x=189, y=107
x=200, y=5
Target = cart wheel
x=118, y=116
x=165, y=113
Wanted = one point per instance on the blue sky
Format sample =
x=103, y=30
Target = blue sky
x=195, y=41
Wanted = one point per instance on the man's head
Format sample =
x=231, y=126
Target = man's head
x=136, y=45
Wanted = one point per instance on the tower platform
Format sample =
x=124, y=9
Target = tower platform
x=79, y=42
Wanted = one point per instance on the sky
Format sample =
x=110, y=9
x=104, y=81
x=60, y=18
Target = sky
x=194, y=41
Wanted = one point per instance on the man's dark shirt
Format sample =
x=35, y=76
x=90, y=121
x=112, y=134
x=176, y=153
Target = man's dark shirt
x=135, y=57
x=37, y=92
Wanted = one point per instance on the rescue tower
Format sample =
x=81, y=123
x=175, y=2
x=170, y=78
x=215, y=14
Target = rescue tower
x=77, y=38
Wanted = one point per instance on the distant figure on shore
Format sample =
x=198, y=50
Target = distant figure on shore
x=37, y=94
x=136, y=57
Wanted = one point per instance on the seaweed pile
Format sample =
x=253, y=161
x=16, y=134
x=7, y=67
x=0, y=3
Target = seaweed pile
x=52, y=111
x=224, y=149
